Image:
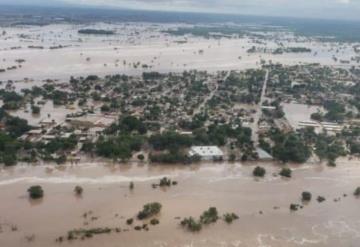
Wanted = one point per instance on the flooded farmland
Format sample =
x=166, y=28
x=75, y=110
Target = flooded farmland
x=57, y=51
x=262, y=205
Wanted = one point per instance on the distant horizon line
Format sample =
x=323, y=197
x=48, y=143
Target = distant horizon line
x=112, y=9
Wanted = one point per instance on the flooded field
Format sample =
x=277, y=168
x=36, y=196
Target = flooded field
x=136, y=48
x=262, y=205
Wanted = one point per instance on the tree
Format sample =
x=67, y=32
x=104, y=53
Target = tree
x=290, y=147
x=306, y=196
x=35, y=192
x=9, y=159
x=209, y=216
x=191, y=224
x=259, y=171
x=336, y=111
x=35, y=109
x=317, y=116
x=16, y=126
x=149, y=210
x=105, y=108
x=285, y=172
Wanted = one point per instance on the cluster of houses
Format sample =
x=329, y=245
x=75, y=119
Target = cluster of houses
x=86, y=128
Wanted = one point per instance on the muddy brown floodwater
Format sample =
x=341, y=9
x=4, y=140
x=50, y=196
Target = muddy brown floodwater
x=229, y=187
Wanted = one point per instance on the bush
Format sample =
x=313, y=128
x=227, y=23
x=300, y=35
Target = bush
x=141, y=157
x=149, y=210
x=131, y=185
x=229, y=218
x=9, y=159
x=294, y=207
x=306, y=196
x=129, y=221
x=259, y=172
x=78, y=190
x=165, y=182
x=154, y=222
x=35, y=109
x=35, y=192
x=87, y=233
x=285, y=172
x=209, y=216
x=320, y=199
x=191, y=224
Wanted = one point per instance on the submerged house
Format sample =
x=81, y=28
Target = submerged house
x=207, y=152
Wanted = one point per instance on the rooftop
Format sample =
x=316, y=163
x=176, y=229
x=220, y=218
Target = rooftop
x=206, y=151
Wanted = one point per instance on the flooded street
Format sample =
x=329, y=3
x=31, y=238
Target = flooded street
x=262, y=205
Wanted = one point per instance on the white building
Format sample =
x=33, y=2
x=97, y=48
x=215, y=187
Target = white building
x=206, y=152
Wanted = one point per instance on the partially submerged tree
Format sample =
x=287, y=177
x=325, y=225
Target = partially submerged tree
x=35, y=192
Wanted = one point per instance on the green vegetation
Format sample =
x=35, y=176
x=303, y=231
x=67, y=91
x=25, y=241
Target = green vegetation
x=87, y=233
x=154, y=222
x=306, y=196
x=285, y=172
x=230, y=217
x=207, y=32
x=294, y=207
x=165, y=182
x=96, y=31
x=172, y=157
x=11, y=100
x=35, y=109
x=209, y=216
x=289, y=147
x=259, y=171
x=170, y=141
x=329, y=148
x=141, y=157
x=336, y=111
x=120, y=147
x=149, y=210
x=36, y=192
x=191, y=224
x=291, y=50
